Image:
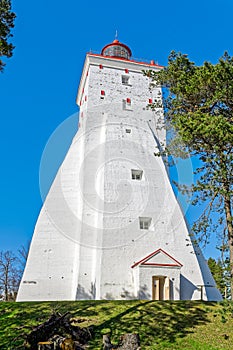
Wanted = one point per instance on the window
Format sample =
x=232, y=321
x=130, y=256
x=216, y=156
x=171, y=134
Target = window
x=128, y=131
x=126, y=71
x=127, y=104
x=125, y=79
x=117, y=51
x=102, y=94
x=136, y=174
x=100, y=66
x=144, y=223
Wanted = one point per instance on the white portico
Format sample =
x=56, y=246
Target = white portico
x=111, y=226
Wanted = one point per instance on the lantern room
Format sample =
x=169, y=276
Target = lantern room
x=117, y=49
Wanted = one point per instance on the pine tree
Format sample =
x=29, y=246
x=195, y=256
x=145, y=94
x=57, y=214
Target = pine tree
x=198, y=107
x=7, y=18
x=220, y=271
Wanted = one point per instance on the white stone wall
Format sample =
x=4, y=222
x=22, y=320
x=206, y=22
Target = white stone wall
x=88, y=236
x=145, y=274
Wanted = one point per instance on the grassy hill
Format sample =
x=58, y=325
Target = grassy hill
x=161, y=325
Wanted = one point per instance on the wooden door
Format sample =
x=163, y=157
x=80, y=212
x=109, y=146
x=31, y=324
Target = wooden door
x=158, y=288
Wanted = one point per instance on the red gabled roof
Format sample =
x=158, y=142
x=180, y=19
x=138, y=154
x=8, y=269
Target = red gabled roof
x=145, y=262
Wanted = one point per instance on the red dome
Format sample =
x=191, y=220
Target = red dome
x=117, y=49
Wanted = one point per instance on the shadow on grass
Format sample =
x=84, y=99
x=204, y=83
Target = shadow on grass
x=18, y=319
x=156, y=322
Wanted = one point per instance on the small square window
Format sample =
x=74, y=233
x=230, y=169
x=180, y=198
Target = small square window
x=145, y=223
x=125, y=79
x=136, y=174
x=127, y=104
x=128, y=131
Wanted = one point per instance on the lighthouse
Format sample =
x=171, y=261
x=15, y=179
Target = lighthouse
x=111, y=226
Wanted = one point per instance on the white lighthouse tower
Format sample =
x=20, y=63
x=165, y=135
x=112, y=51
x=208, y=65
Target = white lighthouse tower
x=111, y=226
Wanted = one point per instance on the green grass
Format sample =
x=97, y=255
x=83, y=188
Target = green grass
x=161, y=325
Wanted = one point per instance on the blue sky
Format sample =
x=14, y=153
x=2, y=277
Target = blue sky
x=39, y=84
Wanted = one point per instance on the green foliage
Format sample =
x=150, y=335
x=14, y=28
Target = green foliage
x=7, y=18
x=221, y=273
x=161, y=325
x=198, y=105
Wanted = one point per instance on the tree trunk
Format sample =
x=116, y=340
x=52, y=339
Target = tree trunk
x=129, y=342
x=107, y=342
x=45, y=345
x=228, y=213
x=62, y=325
x=6, y=284
x=44, y=331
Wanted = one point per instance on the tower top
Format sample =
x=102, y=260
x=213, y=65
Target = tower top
x=117, y=49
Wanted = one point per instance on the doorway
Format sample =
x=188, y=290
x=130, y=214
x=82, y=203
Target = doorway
x=160, y=288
